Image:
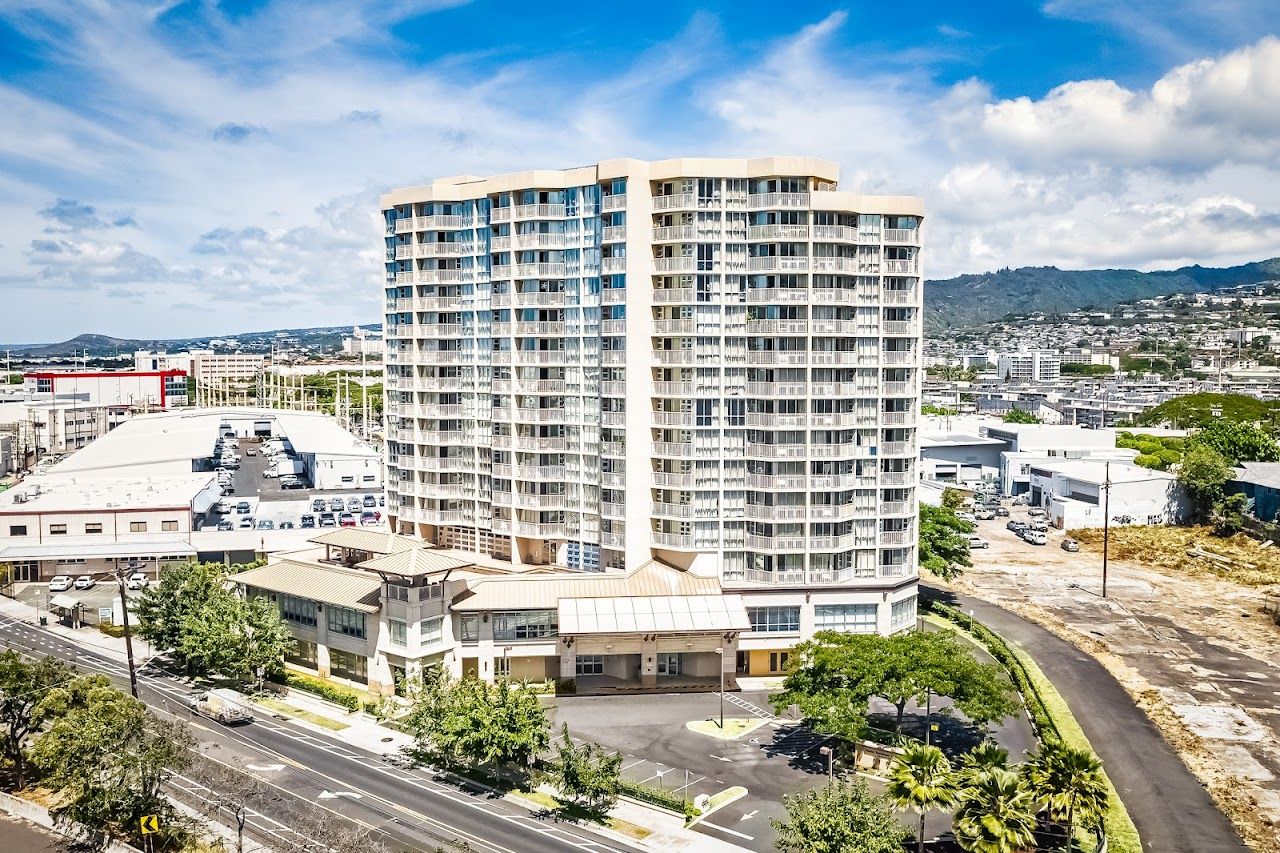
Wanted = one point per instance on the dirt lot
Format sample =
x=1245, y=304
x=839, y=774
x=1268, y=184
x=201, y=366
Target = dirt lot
x=1238, y=559
x=1195, y=651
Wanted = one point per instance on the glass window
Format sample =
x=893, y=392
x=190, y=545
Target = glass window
x=168, y=526
x=524, y=624
x=346, y=621
x=303, y=654
x=347, y=665
x=774, y=619
x=134, y=527
x=93, y=528
x=295, y=609
x=778, y=661
x=57, y=530
x=470, y=628
x=398, y=631
x=849, y=618
x=903, y=613
x=397, y=593
x=502, y=667
x=432, y=630
x=589, y=665
x=21, y=529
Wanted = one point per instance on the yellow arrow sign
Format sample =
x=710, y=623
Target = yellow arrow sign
x=149, y=824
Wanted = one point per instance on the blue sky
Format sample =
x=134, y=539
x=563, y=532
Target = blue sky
x=199, y=167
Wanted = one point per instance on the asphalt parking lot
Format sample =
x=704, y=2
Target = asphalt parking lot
x=267, y=501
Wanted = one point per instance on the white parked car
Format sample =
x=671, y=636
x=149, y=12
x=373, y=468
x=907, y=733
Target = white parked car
x=137, y=580
x=978, y=542
x=1035, y=537
x=85, y=582
x=61, y=583
x=1036, y=513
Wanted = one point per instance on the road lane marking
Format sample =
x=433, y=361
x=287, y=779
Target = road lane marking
x=720, y=828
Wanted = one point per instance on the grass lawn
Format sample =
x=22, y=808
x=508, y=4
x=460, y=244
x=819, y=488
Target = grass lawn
x=734, y=727
x=288, y=710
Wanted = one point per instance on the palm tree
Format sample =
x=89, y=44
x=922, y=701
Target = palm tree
x=921, y=780
x=996, y=813
x=1069, y=784
x=983, y=757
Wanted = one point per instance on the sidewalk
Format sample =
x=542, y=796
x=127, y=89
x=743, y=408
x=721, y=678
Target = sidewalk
x=88, y=638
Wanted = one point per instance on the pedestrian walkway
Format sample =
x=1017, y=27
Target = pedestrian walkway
x=750, y=707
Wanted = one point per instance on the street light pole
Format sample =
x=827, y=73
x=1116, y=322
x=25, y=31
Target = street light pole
x=128, y=633
x=928, y=715
x=720, y=652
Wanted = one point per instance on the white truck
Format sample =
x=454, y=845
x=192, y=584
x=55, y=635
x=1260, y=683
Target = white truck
x=224, y=706
x=282, y=466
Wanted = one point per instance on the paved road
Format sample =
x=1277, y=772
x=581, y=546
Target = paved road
x=18, y=836
x=1173, y=812
x=408, y=808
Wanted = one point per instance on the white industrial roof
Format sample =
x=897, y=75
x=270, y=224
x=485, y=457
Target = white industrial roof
x=162, y=443
x=120, y=489
x=1089, y=471
x=652, y=613
x=312, y=432
x=78, y=547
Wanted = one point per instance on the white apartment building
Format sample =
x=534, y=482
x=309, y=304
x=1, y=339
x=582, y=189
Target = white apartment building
x=208, y=368
x=1029, y=366
x=712, y=363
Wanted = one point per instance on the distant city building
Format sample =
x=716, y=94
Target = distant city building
x=1075, y=494
x=1031, y=366
x=163, y=388
x=363, y=342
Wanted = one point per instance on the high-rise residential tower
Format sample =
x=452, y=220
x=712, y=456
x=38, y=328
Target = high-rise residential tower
x=714, y=362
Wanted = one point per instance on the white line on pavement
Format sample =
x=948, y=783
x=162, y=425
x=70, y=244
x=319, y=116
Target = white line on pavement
x=720, y=828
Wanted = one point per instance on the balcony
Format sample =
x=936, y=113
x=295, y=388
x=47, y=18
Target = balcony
x=672, y=540
x=541, y=416
x=760, y=512
x=538, y=211
x=901, y=358
x=898, y=389
x=668, y=510
x=539, y=531
x=778, y=263
x=664, y=479
x=777, y=451
x=672, y=389
x=898, y=418
x=544, y=356
x=841, y=233
x=777, y=389
x=613, y=448
x=897, y=537
x=900, y=327
x=910, y=236
x=675, y=233
x=674, y=202
x=898, y=508
x=613, y=296
x=500, y=214
x=440, y=249
x=897, y=478
x=609, y=539
x=847, y=266
x=539, y=270
x=674, y=449
x=674, y=356
x=449, y=276
x=617, y=201
x=776, y=543
x=669, y=295
x=784, y=200
x=674, y=327
x=613, y=265
x=778, y=232
x=843, y=296
x=672, y=419
x=902, y=267
x=768, y=420
x=677, y=265
x=768, y=357
x=613, y=419
x=539, y=240
x=842, y=358
x=898, y=448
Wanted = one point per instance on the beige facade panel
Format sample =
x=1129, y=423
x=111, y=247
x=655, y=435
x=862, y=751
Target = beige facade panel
x=370, y=541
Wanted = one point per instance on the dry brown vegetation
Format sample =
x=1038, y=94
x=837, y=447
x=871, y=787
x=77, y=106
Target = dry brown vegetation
x=1243, y=560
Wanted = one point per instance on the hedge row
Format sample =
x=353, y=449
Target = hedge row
x=654, y=796
x=330, y=692
x=1041, y=719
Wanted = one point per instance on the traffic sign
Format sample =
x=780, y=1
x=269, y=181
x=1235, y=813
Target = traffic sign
x=149, y=824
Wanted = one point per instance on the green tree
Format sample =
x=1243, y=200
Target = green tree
x=842, y=817
x=924, y=663
x=995, y=813
x=1018, y=416
x=1238, y=441
x=108, y=758
x=834, y=675
x=1070, y=785
x=921, y=780
x=943, y=541
x=166, y=608
x=952, y=499
x=24, y=691
x=472, y=722
x=587, y=775
x=1228, y=515
x=983, y=758
x=1203, y=474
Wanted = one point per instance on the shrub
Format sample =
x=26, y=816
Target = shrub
x=653, y=796
x=1148, y=460
x=330, y=692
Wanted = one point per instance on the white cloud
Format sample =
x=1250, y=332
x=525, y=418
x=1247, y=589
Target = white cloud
x=250, y=164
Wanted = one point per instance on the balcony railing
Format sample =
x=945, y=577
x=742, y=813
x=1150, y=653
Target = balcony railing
x=787, y=200
x=673, y=202
x=901, y=267
x=539, y=211
x=902, y=235
x=778, y=263
x=675, y=233
x=617, y=201
x=778, y=232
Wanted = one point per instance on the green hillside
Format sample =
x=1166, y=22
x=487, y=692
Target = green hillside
x=1198, y=410
x=971, y=300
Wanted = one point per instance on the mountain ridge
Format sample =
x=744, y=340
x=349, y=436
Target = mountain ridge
x=966, y=300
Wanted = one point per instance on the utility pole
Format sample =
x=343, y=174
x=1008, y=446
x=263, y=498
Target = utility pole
x=128, y=633
x=1106, y=522
x=720, y=652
